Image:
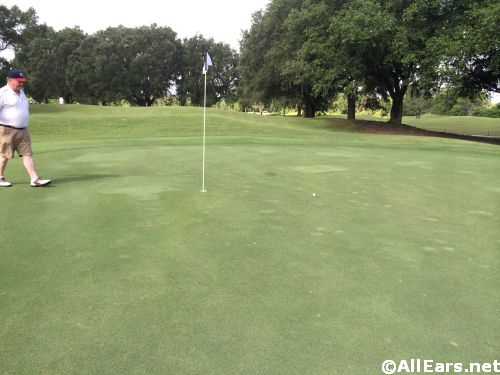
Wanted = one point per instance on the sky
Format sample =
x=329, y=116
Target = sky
x=222, y=20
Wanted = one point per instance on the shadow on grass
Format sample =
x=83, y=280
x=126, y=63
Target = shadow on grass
x=82, y=178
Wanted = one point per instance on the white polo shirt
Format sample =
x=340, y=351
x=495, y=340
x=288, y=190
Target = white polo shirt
x=14, y=108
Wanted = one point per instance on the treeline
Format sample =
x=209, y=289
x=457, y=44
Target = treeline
x=450, y=103
x=135, y=65
x=302, y=54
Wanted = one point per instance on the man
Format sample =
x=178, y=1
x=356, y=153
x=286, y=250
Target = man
x=14, y=135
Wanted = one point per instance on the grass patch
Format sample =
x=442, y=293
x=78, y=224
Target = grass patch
x=469, y=125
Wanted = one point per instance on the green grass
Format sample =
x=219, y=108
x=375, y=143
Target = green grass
x=457, y=124
x=122, y=266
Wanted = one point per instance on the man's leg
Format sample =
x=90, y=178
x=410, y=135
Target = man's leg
x=24, y=149
x=29, y=164
x=3, y=164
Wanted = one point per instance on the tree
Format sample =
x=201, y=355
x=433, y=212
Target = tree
x=65, y=43
x=190, y=84
x=35, y=56
x=354, y=44
x=379, y=47
x=468, y=47
x=155, y=66
x=258, y=78
x=260, y=58
x=306, y=66
x=4, y=67
x=45, y=57
x=222, y=79
x=450, y=101
x=87, y=84
x=13, y=22
x=416, y=105
x=139, y=65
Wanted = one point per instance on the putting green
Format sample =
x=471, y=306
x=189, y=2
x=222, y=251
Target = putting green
x=312, y=252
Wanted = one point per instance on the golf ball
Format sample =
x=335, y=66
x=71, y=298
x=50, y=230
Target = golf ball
x=314, y=194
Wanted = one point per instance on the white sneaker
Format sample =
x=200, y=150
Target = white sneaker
x=4, y=183
x=39, y=182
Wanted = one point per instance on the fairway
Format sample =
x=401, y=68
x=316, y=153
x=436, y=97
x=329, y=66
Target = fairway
x=314, y=251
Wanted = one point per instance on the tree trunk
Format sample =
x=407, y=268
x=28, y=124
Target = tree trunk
x=397, y=105
x=309, y=107
x=150, y=101
x=351, y=107
x=299, y=111
x=68, y=98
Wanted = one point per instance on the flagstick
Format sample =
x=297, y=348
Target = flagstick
x=204, y=132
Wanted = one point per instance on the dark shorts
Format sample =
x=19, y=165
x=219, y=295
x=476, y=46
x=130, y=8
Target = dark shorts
x=12, y=139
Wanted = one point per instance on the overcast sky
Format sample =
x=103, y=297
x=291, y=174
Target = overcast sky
x=222, y=20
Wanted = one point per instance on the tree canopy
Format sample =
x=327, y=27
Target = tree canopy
x=136, y=65
x=222, y=80
x=297, y=54
x=310, y=50
x=13, y=24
